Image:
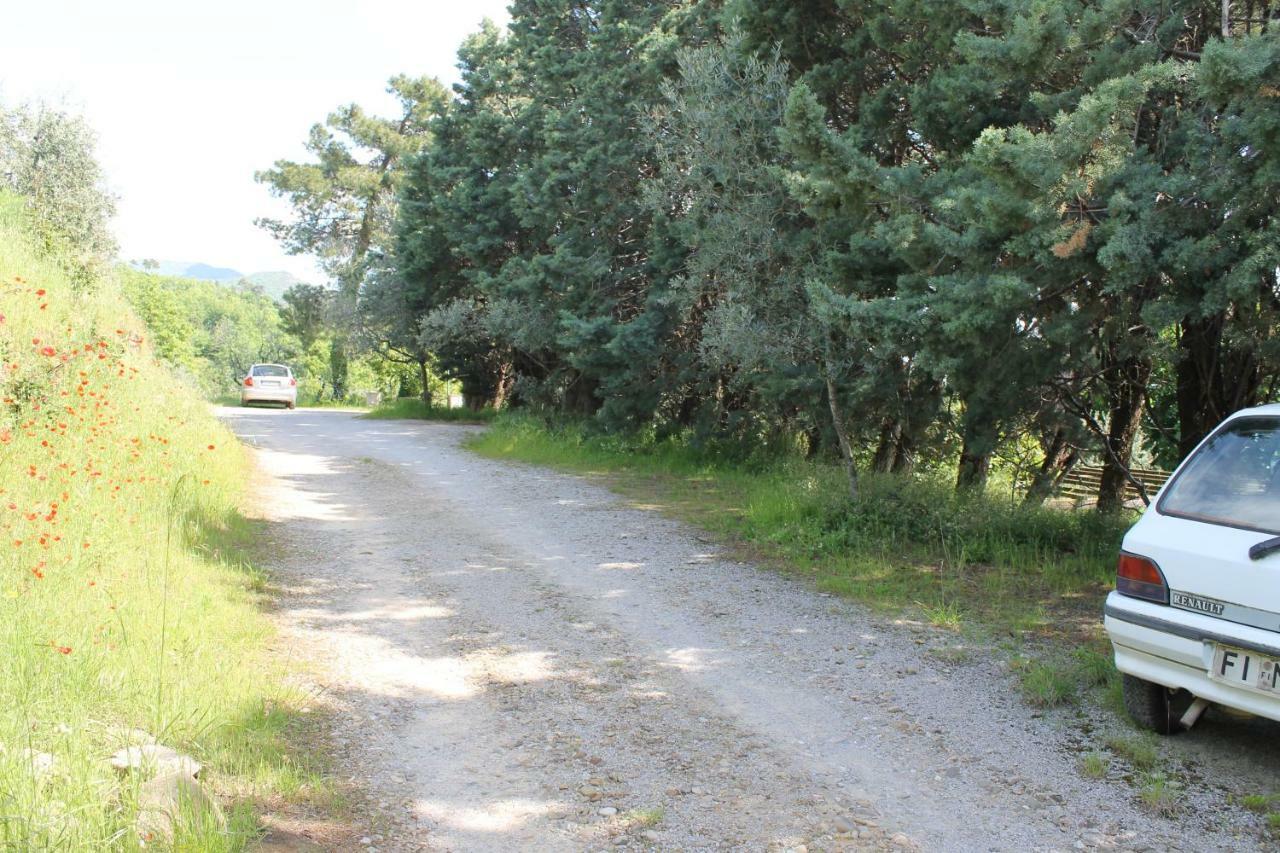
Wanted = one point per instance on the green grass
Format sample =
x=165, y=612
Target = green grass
x=1094, y=765
x=1045, y=683
x=643, y=818
x=125, y=598
x=952, y=655
x=412, y=408
x=1260, y=802
x=906, y=544
x=1161, y=794
x=1138, y=750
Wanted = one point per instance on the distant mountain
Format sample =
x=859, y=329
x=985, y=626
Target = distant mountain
x=273, y=284
x=188, y=269
x=204, y=272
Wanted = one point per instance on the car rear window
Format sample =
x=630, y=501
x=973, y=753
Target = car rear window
x=1233, y=479
x=270, y=370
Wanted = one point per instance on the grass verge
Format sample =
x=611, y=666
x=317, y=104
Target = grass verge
x=124, y=601
x=906, y=545
x=412, y=408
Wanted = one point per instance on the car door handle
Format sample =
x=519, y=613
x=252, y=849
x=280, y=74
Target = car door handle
x=1262, y=549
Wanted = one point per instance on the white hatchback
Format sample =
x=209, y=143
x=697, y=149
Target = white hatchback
x=269, y=383
x=1195, y=617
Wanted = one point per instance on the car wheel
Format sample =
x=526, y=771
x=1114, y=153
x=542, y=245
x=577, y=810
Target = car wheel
x=289, y=405
x=1154, y=706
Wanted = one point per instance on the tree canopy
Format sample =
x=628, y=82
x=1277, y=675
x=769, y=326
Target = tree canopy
x=903, y=232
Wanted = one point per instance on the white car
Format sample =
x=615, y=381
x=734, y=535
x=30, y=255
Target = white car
x=269, y=383
x=1195, y=617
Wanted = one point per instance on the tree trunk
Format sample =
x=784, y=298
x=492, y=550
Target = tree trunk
x=813, y=442
x=904, y=461
x=424, y=376
x=842, y=435
x=502, y=387
x=886, y=457
x=1059, y=458
x=338, y=367
x=1127, y=391
x=1211, y=382
x=975, y=454
x=580, y=396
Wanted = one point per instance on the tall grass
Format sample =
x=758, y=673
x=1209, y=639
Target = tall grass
x=908, y=544
x=122, y=603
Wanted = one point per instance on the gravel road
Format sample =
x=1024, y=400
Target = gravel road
x=521, y=660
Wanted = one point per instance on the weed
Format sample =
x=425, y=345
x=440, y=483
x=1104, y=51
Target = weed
x=942, y=615
x=1138, y=750
x=1094, y=765
x=644, y=818
x=1045, y=684
x=1161, y=794
x=1260, y=802
x=950, y=654
x=1273, y=821
x=1094, y=668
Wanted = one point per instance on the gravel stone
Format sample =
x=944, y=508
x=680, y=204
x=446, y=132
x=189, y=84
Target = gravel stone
x=508, y=624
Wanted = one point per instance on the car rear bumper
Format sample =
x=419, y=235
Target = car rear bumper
x=268, y=395
x=1175, y=648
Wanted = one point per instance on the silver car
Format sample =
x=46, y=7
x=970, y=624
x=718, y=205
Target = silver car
x=269, y=383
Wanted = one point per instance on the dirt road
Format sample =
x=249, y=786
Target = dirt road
x=522, y=661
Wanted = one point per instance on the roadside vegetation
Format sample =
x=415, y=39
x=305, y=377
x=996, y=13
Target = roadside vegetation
x=910, y=546
x=414, y=408
x=209, y=334
x=728, y=223
x=126, y=604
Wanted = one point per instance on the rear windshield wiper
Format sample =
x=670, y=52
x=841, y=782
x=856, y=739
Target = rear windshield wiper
x=1262, y=549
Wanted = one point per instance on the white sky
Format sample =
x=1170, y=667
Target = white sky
x=190, y=99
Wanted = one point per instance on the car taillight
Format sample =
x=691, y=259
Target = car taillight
x=293, y=383
x=1139, y=577
x=248, y=382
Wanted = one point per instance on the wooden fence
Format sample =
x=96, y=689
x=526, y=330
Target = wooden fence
x=1080, y=486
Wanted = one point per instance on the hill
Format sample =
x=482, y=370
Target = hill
x=273, y=284
x=189, y=269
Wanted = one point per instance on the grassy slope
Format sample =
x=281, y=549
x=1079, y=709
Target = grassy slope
x=910, y=548
x=120, y=603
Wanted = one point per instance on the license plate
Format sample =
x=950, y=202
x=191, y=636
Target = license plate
x=1245, y=669
x=270, y=383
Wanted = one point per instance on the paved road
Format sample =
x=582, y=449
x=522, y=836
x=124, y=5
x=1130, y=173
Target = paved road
x=519, y=659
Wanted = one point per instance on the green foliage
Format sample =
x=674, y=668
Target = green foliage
x=209, y=333
x=344, y=200
x=47, y=158
x=923, y=234
x=126, y=600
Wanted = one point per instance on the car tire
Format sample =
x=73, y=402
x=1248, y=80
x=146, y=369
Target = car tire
x=290, y=405
x=1154, y=706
